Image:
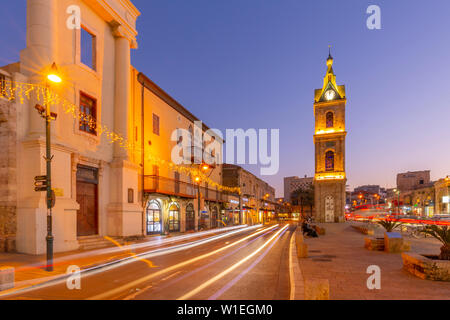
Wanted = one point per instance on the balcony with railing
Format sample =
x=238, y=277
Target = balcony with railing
x=173, y=187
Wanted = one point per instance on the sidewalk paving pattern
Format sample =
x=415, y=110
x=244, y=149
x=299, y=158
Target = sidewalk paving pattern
x=340, y=257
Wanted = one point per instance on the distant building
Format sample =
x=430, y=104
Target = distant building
x=258, y=197
x=442, y=194
x=411, y=180
x=368, y=188
x=294, y=183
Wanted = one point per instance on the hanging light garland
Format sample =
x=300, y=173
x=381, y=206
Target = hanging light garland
x=20, y=91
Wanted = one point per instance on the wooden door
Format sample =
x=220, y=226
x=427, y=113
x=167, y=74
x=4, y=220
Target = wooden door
x=190, y=218
x=87, y=216
x=329, y=209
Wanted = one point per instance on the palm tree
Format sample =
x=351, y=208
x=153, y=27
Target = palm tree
x=305, y=197
x=442, y=233
x=389, y=225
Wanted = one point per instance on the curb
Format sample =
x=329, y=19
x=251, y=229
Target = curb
x=296, y=276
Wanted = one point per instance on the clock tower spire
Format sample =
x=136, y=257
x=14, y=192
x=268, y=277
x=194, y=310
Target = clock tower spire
x=329, y=140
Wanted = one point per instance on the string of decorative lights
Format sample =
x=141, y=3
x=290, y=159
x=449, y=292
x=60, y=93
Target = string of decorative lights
x=20, y=91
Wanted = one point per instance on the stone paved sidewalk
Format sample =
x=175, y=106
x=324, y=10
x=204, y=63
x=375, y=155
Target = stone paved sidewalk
x=340, y=257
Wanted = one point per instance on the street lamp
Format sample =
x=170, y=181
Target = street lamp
x=54, y=77
x=396, y=191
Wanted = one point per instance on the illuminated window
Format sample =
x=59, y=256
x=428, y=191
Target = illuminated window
x=329, y=161
x=174, y=218
x=88, y=49
x=88, y=114
x=330, y=120
x=2, y=85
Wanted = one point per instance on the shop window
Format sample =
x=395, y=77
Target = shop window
x=174, y=218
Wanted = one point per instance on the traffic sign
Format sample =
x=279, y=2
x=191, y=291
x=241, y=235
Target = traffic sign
x=40, y=183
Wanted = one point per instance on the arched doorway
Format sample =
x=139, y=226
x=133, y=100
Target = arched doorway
x=214, y=216
x=190, y=217
x=154, y=218
x=329, y=209
x=174, y=218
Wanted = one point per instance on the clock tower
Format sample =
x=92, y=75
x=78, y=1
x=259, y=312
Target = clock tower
x=329, y=140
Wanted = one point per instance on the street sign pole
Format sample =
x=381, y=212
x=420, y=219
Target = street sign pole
x=48, y=159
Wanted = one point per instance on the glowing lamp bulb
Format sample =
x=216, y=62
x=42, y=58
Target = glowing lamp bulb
x=53, y=75
x=54, y=78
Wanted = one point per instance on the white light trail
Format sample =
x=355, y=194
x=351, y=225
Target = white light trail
x=236, y=265
x=137, y=282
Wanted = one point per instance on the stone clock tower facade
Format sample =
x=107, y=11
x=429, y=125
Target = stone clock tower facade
x=329, y=140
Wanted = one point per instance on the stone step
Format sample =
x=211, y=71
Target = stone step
x=96, y=242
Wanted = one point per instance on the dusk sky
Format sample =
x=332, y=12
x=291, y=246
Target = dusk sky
x=256, y=63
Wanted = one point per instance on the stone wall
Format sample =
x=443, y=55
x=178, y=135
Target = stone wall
x=8, y=183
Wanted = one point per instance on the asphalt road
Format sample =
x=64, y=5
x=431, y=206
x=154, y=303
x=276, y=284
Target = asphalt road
x=246, y=265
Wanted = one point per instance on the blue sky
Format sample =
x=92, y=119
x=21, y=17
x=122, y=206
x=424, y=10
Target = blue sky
x=256, y=63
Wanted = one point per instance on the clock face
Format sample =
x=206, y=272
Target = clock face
x=330, y=94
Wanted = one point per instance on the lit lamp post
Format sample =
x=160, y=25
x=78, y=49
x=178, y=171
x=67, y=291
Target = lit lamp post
x=198, y=181
x=397, y=192
x=49, y=116
x=377, y=196
x=266, y=196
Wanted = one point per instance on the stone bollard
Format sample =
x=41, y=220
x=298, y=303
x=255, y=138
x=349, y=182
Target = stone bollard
x=6, y=278
x=317, y=289
x=393, y=242
x=302, y=247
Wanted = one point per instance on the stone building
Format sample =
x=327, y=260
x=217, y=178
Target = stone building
x=110, y=119
x=442, y=193
x=257, y=198
x=329, y=140
x=170, y=195
x=292, y=184
x=410, y=180
x=8, y=169
x=420, y=200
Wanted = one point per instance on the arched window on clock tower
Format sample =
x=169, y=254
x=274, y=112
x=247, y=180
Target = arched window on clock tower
x=329, y=161
x=330, y=119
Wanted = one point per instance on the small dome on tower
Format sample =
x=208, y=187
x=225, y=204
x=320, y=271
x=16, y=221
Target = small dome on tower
x=330, y=58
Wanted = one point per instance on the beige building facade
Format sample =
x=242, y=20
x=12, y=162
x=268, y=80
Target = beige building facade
x=110, y=120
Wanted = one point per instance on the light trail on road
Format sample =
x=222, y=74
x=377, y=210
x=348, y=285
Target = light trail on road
x=124, y=261
x=236, y=265
x=243, y=273
x=133, y=284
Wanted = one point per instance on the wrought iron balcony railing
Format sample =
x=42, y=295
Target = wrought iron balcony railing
x=167, y=186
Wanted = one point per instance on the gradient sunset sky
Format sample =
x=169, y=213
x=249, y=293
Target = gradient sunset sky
x=255, y=64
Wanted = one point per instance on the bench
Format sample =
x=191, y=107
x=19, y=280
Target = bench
x=364, y=230
x=374, y=244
